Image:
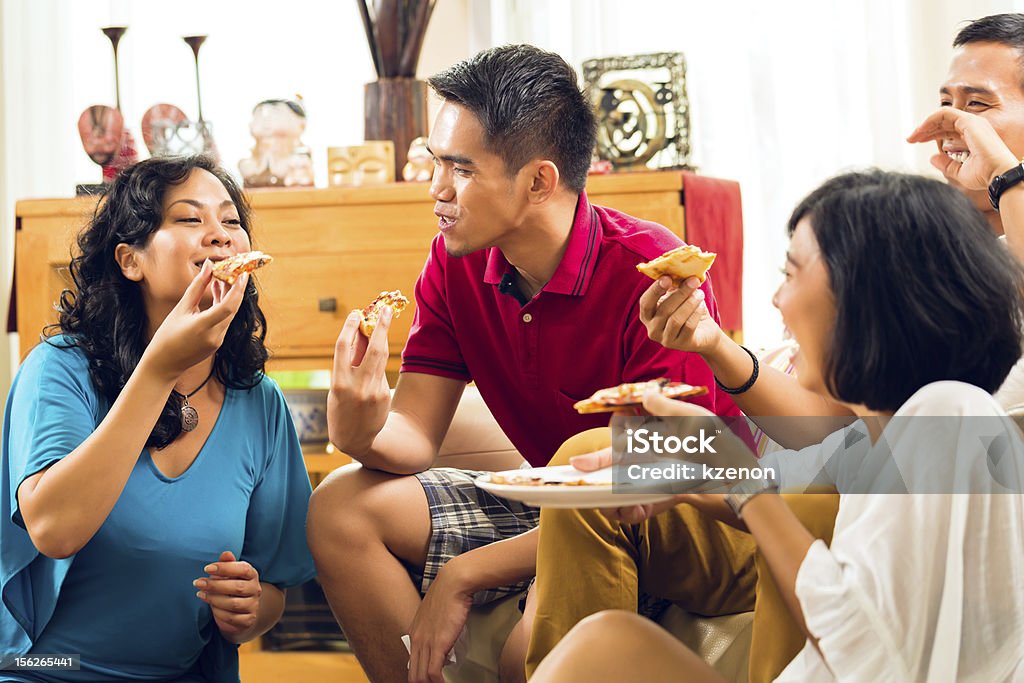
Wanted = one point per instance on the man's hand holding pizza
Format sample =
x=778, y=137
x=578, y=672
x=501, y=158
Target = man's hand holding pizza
x=359, y=399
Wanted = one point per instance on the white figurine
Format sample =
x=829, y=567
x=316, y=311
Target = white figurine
x=279, y=159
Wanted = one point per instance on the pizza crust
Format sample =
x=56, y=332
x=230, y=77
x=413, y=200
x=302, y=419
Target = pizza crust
x=371, y=313
x=230, y=269
x=679, y=264
x=632, y=394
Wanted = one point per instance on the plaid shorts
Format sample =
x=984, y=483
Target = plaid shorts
x=463, y=518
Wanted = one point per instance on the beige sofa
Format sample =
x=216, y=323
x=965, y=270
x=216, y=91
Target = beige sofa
x=475, y=441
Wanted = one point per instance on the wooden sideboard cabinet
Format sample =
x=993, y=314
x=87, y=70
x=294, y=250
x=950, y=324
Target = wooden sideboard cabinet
x=335, y=250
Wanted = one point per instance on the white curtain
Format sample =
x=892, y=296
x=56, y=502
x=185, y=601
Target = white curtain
x=782, y=94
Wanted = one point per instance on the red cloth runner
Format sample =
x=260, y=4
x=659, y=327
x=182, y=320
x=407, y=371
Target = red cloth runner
x=714, y=222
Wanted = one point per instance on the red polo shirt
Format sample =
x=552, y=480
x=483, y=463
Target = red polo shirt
x=582, y=332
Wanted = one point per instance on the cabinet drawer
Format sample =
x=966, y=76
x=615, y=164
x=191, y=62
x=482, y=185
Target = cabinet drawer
x=366, y=229
x=296, y=290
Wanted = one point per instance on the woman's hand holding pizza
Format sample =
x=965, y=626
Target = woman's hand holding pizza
x=188, y=334
x=677, y=317
x=729, y=451
x=630, y=514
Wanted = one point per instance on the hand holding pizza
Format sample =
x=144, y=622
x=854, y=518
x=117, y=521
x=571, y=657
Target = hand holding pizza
x=189, y=334
x=630, y=514
x=677, y=317
x=359, y=399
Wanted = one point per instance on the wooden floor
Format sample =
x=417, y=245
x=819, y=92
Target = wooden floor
x=300, y=667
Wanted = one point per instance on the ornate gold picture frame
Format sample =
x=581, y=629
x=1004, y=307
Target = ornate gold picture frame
x=642, y=108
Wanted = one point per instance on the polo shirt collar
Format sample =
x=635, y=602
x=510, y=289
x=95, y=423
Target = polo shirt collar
x=575, y=271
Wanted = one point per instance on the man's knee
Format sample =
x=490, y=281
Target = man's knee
x=357, y=505
x=334, y=502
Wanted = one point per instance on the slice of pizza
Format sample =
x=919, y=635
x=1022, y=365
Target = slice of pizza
x=632, y=394
x=679, y=264
x=371, y=314
x=539, y=481
x=230, y=269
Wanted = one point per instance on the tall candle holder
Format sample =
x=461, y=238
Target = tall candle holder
x=166, y=129
x=104, y=136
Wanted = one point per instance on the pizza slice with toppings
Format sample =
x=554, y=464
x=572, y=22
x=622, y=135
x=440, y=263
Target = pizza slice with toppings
x=524, y=480
x=632, y=394
x=230, y=269
x=371, y=314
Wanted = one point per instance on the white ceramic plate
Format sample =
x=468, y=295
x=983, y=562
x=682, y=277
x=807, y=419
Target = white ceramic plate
x=597, y=493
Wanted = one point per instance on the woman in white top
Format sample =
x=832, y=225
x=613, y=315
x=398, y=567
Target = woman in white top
x=905, y=306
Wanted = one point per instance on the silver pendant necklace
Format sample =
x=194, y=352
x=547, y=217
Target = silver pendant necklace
x=189, y=415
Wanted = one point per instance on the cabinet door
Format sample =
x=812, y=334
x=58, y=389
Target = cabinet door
x=329, y=260
x=306, y=298
x=41, y=274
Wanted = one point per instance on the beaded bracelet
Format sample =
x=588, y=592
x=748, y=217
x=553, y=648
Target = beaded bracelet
x=746, y=385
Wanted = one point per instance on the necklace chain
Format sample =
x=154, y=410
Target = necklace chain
x=196, y=390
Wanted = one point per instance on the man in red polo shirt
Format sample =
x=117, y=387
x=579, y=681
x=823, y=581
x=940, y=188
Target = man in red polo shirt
x=529, y=291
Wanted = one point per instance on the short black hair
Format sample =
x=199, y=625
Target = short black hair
x=530, y=105
x=104, y=314
x=1006, y=29
x=923, y=290
x=996, y=28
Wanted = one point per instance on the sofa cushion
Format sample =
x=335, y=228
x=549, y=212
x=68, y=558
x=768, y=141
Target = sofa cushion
x=474, y=440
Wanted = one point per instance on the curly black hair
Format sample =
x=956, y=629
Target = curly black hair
x=104, y=314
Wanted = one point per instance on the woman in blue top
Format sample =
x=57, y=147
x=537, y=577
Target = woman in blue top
x=154, y=487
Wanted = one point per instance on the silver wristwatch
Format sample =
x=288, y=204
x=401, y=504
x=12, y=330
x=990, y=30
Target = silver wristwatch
x=741, y=494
